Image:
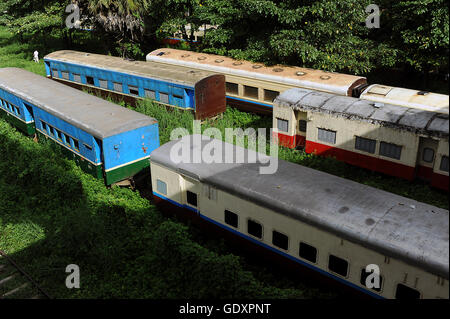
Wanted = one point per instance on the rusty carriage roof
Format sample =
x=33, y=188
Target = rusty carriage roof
x=399, y=117
x=144, y=69
x=87, y=112
x=402, y=228
x=338, y=83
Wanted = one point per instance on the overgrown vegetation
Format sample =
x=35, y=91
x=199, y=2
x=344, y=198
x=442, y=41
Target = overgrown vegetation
x=54, y=215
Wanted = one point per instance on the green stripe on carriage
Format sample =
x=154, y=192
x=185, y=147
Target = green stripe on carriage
x=123, y=172
x=86, y=166
x=27, y=128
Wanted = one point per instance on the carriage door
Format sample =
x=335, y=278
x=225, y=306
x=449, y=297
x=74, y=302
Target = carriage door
x=426, y=157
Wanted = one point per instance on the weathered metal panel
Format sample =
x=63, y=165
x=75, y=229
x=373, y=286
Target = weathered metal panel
x=210, y=97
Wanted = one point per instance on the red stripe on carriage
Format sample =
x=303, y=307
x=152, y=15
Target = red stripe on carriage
x=361, y=160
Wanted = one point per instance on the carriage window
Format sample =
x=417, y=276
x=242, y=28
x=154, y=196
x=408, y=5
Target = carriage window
x=428, y=155
x=365, y=144
x=444, y=164
x=161, y=187
x=390, y=150
x=177, y=96
x=76, y=145
x=55, y=73
x=191, y=198
x=77, y=77
x=282, y=125
x=302, y=125
x=44, y=126
x=163, y=97
x=117, y=87
x=338, y=265
x=103, y=83
x=58, y=134
x=17, y=111
x=270, y=95
x=150, y=94
x=308, y=252
x=65, y=75
x=90, y=80
x=254, y=228
x=232, y=88
x=66, y=139
x=327, y=136
x=231, y=218
x=134, y=90
x=87, y=146
x=251, y=91
x=404, y=292
x=364, y=276
x=280, y=240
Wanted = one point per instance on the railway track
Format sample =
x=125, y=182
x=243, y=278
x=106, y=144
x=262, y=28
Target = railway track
x=15, y=283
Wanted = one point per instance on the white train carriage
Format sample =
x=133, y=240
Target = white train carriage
x=415, y=99
x=253, y=86
x=322, y=223
x=399, y=141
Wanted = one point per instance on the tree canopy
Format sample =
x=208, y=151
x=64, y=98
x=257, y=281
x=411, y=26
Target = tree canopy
x=325, y=34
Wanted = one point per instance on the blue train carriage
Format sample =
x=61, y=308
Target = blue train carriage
x=323, y=226
x=15, y=110
x=106, y=140
x=202, y=92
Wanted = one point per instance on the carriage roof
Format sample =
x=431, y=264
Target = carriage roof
x=289, y=75
x=396, y=226
x=416, y=99
x=406, y=118
x=144, y=69
x=89, y=113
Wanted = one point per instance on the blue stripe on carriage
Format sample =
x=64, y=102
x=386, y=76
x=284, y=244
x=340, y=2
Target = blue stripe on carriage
x=248, y=101
x=348, y=283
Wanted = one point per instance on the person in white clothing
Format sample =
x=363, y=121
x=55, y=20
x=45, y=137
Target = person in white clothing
x=36, y=56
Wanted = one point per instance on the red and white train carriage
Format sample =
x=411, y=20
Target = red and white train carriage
x=406, y=142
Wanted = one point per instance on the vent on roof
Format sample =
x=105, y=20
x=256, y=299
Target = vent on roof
x=237, y=63
x=380, y=89
x=300, y=73
x=277, y=70
x=422, y=93
x=256, y=66
x=325, y=77
x=201, y=58
x=185, y=55
x=160, y=53
x=218, y=60
x=87, y=54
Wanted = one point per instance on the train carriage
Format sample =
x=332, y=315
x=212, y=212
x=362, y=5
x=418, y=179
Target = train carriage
x=324, y=224
x=106, y=140
x=253, y=86
x=405, y=142
x=199, y=91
